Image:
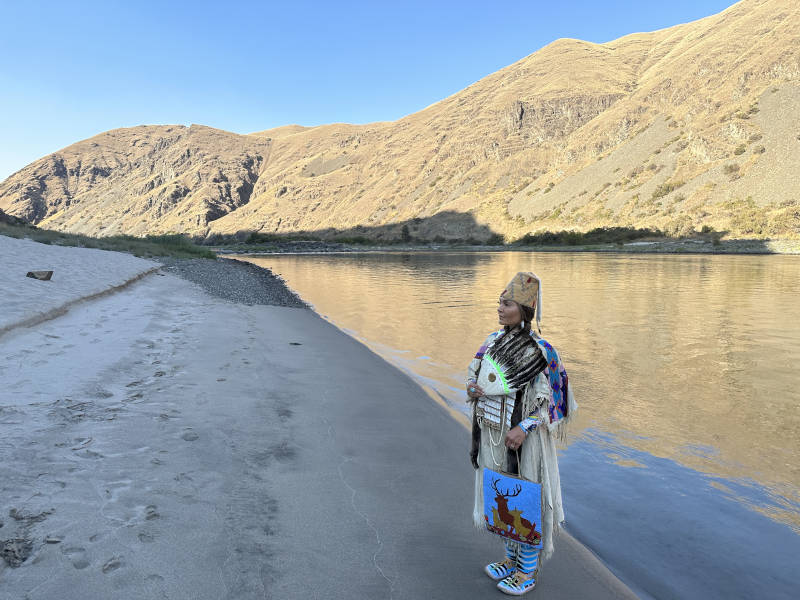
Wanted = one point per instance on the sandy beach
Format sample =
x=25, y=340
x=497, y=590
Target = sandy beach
x=163, y=442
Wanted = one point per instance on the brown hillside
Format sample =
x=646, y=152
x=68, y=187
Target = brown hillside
x=694, y=125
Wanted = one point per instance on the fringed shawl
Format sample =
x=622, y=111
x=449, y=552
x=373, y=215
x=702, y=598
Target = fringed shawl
x=558, y=407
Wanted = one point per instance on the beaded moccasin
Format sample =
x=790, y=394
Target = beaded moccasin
x=500, y=570
x=516, y=584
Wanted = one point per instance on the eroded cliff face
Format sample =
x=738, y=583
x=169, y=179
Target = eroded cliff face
x=681, y=128
x=129, y=180
x=554, y=118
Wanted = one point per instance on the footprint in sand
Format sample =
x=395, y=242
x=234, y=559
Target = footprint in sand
x=190, y=436
x=151, y=512
x=89, y=454
x=81, y=443
x=112, y=564
x=282, y=451
x=77, y=556
x=146, y=538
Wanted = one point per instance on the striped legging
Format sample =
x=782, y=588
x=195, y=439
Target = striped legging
x=525, y=556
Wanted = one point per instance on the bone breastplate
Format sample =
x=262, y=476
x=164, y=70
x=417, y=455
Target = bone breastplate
x=495, y=411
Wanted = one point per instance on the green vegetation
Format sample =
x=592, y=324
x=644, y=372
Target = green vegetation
x=665, y=188
x=750, y=219
x=149, y=246
x=599, y=235
x=356, y=240
x=746, y=216
x=496, y=239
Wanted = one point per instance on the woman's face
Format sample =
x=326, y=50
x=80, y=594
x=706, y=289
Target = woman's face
x=508, y=313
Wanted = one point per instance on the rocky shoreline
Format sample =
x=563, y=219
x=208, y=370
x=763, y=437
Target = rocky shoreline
x=237, y=281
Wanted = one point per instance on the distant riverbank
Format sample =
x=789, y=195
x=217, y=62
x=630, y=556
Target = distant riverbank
x=661, y=246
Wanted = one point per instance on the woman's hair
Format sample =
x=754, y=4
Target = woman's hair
x=528, y=313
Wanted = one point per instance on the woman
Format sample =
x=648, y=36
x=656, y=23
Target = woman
x=515, y=432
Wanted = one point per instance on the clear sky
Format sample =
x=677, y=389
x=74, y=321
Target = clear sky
x=70, y=70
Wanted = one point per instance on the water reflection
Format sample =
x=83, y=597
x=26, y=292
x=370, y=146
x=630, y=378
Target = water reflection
x=690, y=358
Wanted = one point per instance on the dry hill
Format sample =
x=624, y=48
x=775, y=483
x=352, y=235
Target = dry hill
x=695, y=125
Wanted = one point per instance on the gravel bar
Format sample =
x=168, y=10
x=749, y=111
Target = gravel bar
x=237, y=281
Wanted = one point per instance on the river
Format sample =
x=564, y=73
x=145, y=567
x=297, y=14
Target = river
x=682, y=468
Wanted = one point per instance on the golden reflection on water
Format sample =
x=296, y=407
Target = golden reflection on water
x=692, y=358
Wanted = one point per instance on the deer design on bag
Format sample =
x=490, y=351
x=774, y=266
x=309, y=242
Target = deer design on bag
x=511, y=522
x=525, y=529
x=501, y=513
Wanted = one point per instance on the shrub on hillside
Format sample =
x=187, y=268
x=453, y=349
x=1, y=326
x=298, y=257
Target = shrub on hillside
x=665, y=188
x=730, y=168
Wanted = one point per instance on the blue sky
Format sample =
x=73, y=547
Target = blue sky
x=70, y=70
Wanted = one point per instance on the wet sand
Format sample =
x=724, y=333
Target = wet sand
x=163, y=443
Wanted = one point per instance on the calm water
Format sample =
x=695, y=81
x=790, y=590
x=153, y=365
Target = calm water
x=682, y=467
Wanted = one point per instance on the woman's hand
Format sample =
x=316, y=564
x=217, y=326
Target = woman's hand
x=514, y=438
x=474, y=390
